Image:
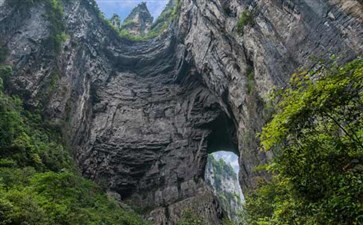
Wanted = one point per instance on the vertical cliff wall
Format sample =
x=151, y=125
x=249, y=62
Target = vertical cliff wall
x=221, y=177
x=142, y=116
x=241, y=65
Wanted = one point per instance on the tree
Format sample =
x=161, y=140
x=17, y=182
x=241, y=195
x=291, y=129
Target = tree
x=316, y=136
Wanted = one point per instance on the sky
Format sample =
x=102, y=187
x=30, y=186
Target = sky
x=124, y=7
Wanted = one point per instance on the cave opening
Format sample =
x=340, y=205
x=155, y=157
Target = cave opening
x=222, y=168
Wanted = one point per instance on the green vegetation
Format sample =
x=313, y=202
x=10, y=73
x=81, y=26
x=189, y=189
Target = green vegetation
x=221, y=172
x=56, y=198
x=221, y=168
x=115, y=20
x=3, y=52
x=39, y=183
x=159, y=26
x=54, y=14
x=246, y=18
x=128, y=23
x=190, y=218
x=151, y=34
x=251, y=81
x=5, y=72
x=227, y=222
x=57, y=28
x=316, y=135
x=167, y=16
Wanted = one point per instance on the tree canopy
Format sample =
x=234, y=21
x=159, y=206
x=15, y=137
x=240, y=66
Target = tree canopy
x=316, y=136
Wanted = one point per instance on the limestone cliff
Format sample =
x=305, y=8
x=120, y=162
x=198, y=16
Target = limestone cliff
x=139, y=21
x=223, y=180
x=142, y=116
x=116, y=21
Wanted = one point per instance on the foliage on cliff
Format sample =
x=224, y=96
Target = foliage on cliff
x=190, y=218
x=246, y=18
x=221, y=169
x=317, y=138
x=222, y=175
x=158, y=27
x=54, y=14
x=38, y=180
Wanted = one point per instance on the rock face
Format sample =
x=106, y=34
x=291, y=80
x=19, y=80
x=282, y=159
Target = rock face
x=115, y=21
x=141, y=117
x=223, y=180
x=139, y=21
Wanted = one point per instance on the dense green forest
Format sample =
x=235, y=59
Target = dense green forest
x=316, y=136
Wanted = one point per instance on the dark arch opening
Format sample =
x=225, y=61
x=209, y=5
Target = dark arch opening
x=223, y=136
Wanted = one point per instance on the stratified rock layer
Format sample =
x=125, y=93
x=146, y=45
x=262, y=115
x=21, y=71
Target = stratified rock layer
x=141, y=117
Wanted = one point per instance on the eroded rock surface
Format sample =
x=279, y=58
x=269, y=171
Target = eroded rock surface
x=142, y=116
x=223, y=180
x=139, y=21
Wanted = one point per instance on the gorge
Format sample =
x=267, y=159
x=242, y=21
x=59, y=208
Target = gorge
x=141, y=116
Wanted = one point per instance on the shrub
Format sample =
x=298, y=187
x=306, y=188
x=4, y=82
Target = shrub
x=251, y=81
x=3, y=52
x=190, y=218
x=245, y=19
x=5, y=72
x=57, y=27
x=54, y=14
x=159, y=26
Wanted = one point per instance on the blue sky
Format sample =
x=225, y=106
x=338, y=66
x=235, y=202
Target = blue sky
x=124, y=7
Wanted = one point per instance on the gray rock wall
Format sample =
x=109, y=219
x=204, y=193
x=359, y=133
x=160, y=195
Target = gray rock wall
x=141, y=117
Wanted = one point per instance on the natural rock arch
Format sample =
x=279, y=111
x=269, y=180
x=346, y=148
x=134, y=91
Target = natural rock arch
x=142, y=117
